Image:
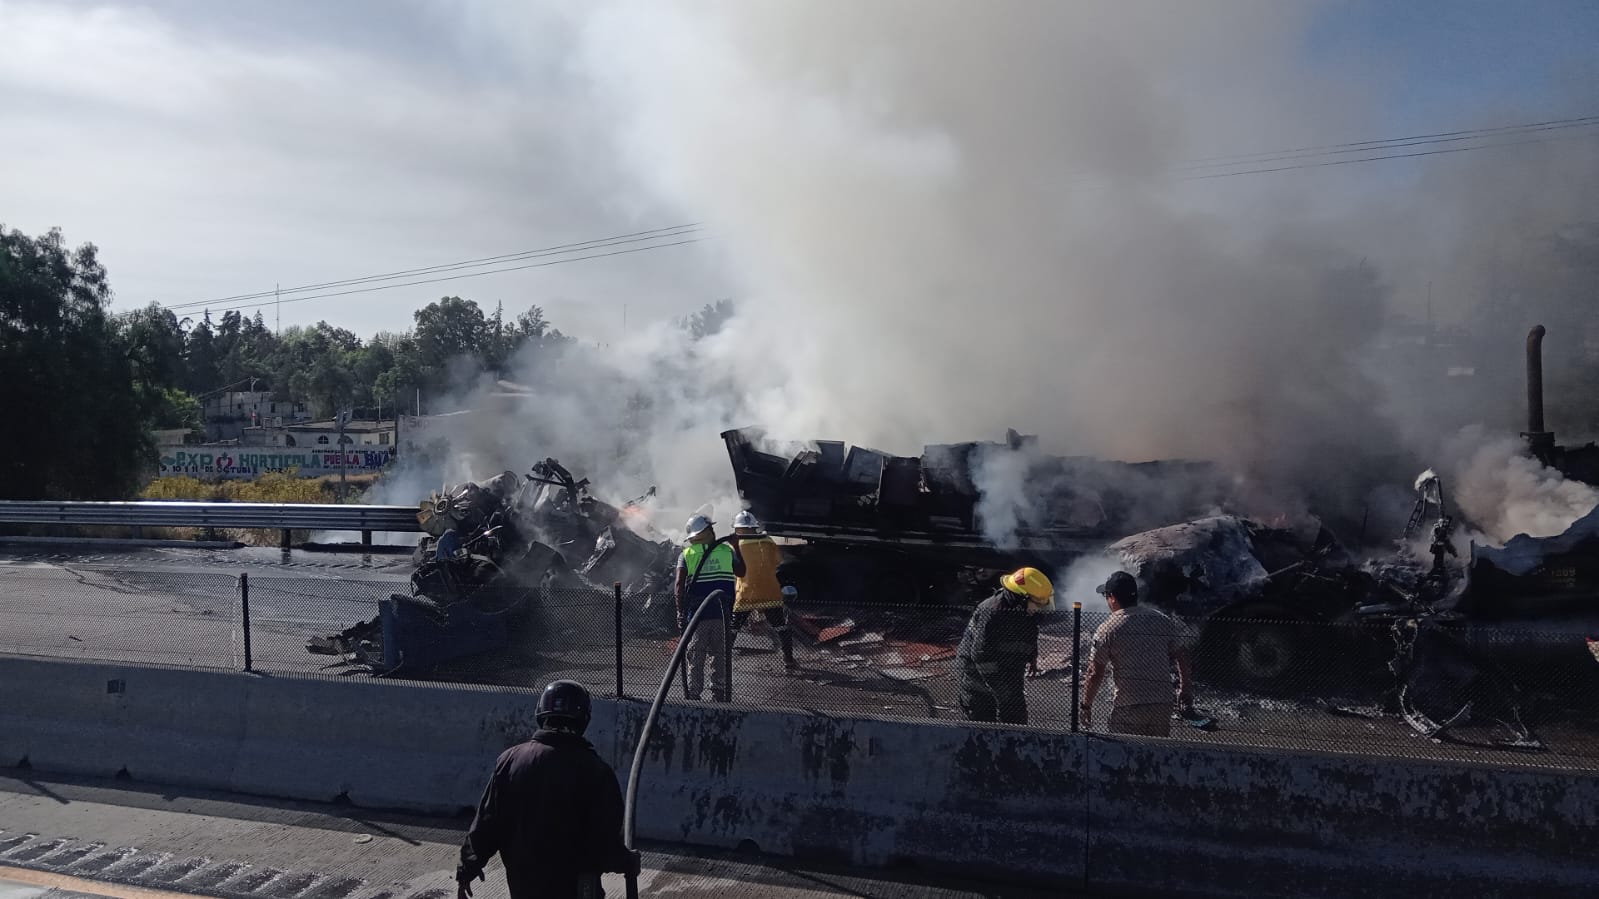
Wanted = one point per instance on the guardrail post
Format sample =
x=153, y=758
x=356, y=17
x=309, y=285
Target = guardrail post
x=284, y=540
x=1077, y=660
x=618, y=588
x=366, y=538
x=244, y=617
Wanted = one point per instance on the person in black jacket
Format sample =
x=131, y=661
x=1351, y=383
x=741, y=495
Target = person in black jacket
x=1000, y=645
x=552, y=810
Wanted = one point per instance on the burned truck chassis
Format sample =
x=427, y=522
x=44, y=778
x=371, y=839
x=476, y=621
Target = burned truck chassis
x=512, y=565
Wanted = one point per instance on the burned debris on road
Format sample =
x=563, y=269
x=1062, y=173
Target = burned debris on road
x=1459, y=641
x=1449, y=642
x=498, y=556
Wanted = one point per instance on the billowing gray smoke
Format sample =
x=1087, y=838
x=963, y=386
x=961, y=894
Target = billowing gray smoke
x=947, y=218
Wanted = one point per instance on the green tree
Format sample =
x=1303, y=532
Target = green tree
x=204, y=373
x=450, y=334
x=155, y=346
x=709, y=320
x=175, y=409
x=69, y=375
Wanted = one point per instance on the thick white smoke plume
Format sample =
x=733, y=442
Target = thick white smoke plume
x=945, y=219
x=1504, y=492
x=950, y=221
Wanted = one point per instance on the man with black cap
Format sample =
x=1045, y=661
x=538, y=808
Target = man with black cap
x=1138, y=645
x=552, y=810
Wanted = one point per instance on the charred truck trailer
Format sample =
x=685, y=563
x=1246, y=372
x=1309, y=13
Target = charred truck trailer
x=874, y=528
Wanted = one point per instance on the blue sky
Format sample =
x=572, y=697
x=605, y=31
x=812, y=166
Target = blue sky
x=1449, y=61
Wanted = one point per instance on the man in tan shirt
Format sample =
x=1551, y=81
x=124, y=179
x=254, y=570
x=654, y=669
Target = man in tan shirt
x=1139, y=646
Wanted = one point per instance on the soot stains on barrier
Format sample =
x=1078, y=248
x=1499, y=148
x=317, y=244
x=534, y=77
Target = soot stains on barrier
x=1359, y=805
x=662, y=744
x=722, y=814
x=826, y=744
x=845, y=835
x=998, y=765
x=715, y=742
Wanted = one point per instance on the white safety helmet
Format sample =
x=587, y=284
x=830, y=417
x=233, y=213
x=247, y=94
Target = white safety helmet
x=746, y=519
x=696, y=525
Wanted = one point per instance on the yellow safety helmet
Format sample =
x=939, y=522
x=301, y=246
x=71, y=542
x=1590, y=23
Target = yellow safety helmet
x=1031, y=583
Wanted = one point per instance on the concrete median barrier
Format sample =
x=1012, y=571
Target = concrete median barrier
x=1170, y=816
x=1143, y=816
x=982, y=801
x=375, y=744
x=163, y=724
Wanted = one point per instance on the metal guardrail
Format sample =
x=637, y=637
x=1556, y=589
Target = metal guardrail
x=266, y=516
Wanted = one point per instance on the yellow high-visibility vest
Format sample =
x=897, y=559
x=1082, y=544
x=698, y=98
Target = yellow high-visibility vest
x=717, y=568
x=758, y=588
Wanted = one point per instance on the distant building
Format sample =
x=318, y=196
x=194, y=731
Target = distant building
x=228, y=414
x=323, y=434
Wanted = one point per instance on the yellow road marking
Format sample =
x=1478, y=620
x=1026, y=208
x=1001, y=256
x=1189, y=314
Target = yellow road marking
x=49, y=880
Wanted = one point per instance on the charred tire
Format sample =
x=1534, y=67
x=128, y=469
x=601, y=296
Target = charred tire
x=1262, y=649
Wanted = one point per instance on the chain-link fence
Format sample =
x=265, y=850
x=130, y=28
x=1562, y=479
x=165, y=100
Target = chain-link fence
x=1384, y=685
x=149, y=617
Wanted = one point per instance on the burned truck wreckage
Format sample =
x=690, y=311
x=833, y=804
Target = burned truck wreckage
x=1444, y=643
x=1474, y=640
x=1454, y=638
x=939, y=527
x=498, y=556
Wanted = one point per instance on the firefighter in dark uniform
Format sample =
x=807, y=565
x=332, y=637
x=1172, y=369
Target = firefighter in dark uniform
x=552, y=810
x=1000, y=644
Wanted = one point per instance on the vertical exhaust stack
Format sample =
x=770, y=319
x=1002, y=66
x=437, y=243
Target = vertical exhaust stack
x=1540, y=441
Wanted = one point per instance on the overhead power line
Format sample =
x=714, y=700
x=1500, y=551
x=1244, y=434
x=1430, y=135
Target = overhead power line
x=1226, y=166
x=515, y=268
x=1336, y=162
x=560, y=249
x=1392, y=142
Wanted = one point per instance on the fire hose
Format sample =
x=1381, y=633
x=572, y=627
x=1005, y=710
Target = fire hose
x=630, y=810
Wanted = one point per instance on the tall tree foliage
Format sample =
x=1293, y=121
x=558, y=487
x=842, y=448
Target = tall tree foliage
x=87, y=387
x=709, y=320
x=70, y=376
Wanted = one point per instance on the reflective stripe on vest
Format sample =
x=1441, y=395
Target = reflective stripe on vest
x=718, y=566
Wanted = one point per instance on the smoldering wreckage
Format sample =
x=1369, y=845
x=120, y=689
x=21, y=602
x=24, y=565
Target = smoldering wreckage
x=1270, y=610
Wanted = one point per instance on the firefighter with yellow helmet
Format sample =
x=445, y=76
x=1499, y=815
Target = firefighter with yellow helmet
x=1000, y=644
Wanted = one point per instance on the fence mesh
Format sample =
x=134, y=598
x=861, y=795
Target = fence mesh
x=1429, y=688
x=121, y=615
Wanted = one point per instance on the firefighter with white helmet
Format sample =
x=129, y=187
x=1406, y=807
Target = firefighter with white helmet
x=706, y=566
x=1000, y=644
x=759, y=591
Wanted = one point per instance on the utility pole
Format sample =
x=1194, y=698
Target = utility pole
x=342, y=420
x=277, y=295
x=1429, y=313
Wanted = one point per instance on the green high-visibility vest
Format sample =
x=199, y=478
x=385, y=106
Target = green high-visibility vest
x=718, y=566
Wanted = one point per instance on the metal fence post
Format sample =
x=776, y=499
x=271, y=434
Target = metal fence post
x=618, y=588
x=244, y=616
x=727, y=653
x=1077, y=660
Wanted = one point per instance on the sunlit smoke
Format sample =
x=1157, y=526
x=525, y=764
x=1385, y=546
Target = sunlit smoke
x=945, y=220
x=1505, y=492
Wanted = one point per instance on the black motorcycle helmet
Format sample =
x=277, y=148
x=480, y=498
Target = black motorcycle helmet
x=565, y=704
